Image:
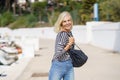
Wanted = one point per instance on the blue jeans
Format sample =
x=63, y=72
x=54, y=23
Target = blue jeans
x=61, y=70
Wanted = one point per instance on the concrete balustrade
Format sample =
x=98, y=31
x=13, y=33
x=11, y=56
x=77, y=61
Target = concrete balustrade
x=105, y=35
x=101, y=34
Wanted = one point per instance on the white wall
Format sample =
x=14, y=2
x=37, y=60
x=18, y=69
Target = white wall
x=102, y=34
x=80, y=33
x=105, y=35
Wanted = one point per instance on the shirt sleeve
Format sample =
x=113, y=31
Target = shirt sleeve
x=61, y=42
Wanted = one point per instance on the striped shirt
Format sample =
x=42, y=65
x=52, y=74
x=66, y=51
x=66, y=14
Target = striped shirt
x=61, y=41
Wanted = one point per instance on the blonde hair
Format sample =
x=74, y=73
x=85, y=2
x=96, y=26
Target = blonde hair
x=59, y=21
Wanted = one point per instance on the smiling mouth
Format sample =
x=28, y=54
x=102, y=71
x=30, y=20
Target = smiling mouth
x=68, y=25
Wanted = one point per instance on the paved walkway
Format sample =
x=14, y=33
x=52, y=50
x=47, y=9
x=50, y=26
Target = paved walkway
x=101, y=65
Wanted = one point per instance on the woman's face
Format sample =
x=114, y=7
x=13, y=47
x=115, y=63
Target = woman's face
x=67, y=23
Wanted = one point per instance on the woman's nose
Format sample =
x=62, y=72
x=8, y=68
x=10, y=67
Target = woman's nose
x=67, y=22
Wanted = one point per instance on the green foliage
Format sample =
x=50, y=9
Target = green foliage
x=52, y=17
x=75, y=5
x=86, y=10
x=18, y=23
x=110, y=10
x=24, y=21
x=31, y=20
x=76, y=17
x=81, y=11
x=6, y=18
x=38, y=7
x=87, y=6
x=84, y=18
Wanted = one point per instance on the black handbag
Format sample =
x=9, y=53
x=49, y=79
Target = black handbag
x=78, y=57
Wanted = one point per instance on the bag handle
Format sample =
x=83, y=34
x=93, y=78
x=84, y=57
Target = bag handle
x=78, y=46
x=74, y=43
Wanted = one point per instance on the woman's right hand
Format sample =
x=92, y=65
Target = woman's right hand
x=71, y=41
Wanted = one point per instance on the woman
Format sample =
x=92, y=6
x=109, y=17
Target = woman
x=61, y=63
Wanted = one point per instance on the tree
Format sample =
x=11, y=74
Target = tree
x=87, y=6
x=5, y=5
x=2, y=3
x=87, y=10
x=110, y=10
x=39, y=8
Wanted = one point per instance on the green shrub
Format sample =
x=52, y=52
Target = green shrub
x=31, y=20
x=6, y=18
x=0, y=19
x=52, y=17
x=24, y=21
x=110, y=10
x=18, y=23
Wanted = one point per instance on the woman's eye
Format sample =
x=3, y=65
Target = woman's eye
x=69, y=20
x=64, y=21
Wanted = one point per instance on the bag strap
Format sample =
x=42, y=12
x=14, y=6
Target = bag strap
x=77, y=46
x=74, y=43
